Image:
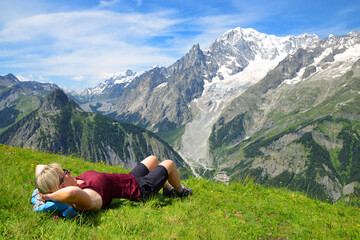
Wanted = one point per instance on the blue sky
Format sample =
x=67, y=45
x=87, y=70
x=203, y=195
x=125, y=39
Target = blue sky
x=78, y=44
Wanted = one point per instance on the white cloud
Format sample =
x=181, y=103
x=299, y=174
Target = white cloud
x=139, y=2
x=89, y=26
x=85, y=43
x=30, y=77
x=105, y=75
x=78, y=78
x=15, y=9
x=88, y=43
x=110, y=3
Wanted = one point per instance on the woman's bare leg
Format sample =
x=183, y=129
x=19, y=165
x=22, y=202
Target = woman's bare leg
x=174, y=177
x=150, y=162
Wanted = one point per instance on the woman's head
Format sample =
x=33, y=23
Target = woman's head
x=49, y=178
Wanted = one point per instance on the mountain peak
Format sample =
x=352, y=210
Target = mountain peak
x=56, y=100
x=195, y=48
x=195, y=53
x=11, y=76
x=195, y=57
x=8, y=80
x=235, y=35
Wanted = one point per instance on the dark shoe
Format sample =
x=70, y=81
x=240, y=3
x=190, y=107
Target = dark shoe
x=169, y=193
x=185, y=192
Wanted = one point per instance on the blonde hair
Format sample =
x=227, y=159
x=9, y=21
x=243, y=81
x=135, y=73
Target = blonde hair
x=48, y=179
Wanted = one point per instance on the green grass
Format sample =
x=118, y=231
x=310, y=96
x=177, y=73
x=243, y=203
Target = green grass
x=27, y=104
x=215, y=211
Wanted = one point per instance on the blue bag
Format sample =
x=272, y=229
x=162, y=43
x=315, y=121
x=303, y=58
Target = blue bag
x=51, y=206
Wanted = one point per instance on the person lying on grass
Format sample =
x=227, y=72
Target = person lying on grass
x=93, y=190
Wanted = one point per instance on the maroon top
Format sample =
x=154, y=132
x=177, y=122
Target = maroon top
x=111, y=185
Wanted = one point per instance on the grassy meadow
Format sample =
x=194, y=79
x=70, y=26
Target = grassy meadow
x=215, y=211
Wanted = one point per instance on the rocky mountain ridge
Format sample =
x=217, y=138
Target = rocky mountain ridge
x=61, y=126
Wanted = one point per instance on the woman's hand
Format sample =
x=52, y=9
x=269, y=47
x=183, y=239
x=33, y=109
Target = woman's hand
x=44, y=197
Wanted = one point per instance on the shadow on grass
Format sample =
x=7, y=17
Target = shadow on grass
x=154, y=201
x=92, y=218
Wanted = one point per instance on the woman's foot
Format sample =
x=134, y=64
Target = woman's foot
x=181, y=193
x=169, y=193
x=184, y=193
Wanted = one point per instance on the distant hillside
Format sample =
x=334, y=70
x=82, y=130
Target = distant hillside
x=60, y=126
x=17, y=99
x=215, y=211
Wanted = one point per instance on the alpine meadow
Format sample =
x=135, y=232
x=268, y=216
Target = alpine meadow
x=215, y=211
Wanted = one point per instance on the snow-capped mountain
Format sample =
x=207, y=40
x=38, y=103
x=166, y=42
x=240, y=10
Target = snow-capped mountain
x=113, y=82
x=231, y=53
x=123, y=78
x=234, y=93
x=242, y=58
x=238, y=47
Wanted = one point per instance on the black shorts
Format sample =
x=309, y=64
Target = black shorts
x=150, y=183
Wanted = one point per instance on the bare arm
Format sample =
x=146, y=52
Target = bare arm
x=75, y=196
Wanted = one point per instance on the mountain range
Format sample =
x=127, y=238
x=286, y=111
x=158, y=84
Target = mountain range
x=283, y=110
x=60, y=126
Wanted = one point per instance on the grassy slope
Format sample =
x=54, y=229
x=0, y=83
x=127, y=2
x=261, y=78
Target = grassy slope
x=215, y=211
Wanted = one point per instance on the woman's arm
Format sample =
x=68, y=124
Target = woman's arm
x=72, y=195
